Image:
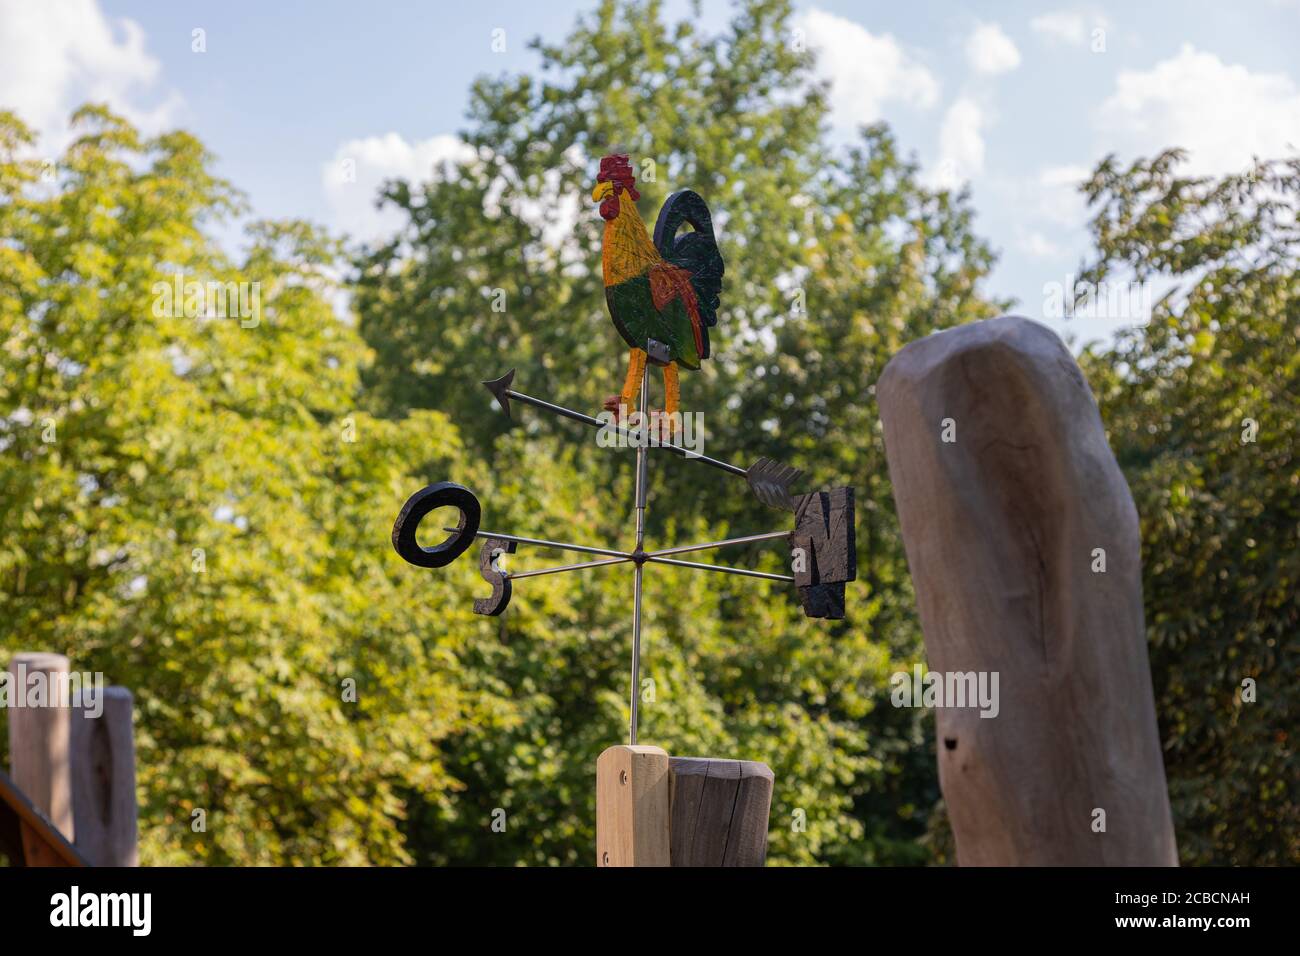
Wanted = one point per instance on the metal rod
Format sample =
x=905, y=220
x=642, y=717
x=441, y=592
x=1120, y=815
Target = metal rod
x=558, y=409
x=677, y=450
x=558, y=545
x=636, y=652
x=641, y=476
x=767, y=536
x=744, y=572
x=515, y=576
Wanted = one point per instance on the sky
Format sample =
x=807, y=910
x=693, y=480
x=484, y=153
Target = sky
x=1017, y=100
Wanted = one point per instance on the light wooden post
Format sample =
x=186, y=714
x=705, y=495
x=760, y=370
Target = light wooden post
x=40, y=740
x=632, y=807
x=656, y=810
x=103, y=782
x=1011, y=504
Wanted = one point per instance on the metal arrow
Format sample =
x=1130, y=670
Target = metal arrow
x=770, y=480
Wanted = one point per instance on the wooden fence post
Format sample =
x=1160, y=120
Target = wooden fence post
x=1022, y=540
x=656, y=810
x=40, y=741
x=632, y=806
x=103, y=782
x=720, y=811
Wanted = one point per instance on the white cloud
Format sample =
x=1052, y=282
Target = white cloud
x=351, y=180
x=1037, y=246
x=1063, y=26
x=961, y=145
x=1056, y=196
x=1222, y=114
x=990, y=51
x=55, y=56
x=866, y=70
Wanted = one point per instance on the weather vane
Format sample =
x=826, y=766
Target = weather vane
x=663, y=296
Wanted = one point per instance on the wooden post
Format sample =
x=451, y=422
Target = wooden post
x=39, y=740
x=1023, y=545
x=103, y=782
x=720, y=811
x=653, y=810
x=27, y=836
x=632, y=807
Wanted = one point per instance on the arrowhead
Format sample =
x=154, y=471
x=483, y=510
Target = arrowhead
x=498, y=387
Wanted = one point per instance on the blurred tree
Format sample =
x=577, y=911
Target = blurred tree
x=195, y=506
x=1202, y=407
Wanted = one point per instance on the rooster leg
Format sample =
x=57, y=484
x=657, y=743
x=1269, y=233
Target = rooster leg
x=672, y=396
x=631, y=385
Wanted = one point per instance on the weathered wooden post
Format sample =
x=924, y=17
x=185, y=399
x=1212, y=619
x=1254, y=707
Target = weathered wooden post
x=103, y=782
x=656, y=810
x=40, y=738
x=1022, y=540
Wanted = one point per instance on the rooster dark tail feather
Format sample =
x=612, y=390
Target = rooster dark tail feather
x=696, y=252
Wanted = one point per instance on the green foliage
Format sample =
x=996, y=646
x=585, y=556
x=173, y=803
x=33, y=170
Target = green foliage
x=834, y=261
x=1220, y=503
x=183, y=513
x=200, y=506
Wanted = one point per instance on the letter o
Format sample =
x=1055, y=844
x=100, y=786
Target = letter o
x=441, y=495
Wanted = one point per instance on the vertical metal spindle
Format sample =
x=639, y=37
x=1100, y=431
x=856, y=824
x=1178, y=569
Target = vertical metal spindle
x=641, y=457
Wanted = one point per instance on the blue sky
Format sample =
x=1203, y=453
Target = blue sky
x=1018, y=99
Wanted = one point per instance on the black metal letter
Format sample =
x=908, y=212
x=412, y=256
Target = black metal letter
x=500, y=598
x=824, y=528
x=444, y=494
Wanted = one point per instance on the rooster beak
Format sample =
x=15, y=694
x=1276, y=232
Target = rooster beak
x=602, y=191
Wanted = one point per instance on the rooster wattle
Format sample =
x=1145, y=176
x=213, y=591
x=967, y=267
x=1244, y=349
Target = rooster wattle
x=662, y=295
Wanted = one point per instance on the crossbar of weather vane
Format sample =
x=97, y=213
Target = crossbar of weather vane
x=743, y=572
x=542, y=542
x=747, y=539
x=516, y=575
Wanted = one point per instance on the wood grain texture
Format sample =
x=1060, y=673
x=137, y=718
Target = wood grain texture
x=40, y=743
x=720, y=811
x=103, y=782
x=825, y=530
x=27, y=836
x=1000, y=528
x=632, y=807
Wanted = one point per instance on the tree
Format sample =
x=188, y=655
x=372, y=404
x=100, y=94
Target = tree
x=1202, y=407
x=836, y=257
x=195, y=506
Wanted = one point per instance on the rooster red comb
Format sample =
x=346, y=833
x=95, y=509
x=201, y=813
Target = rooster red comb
x=617, y=169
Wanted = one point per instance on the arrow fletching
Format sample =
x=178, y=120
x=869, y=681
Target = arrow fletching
x=771, y=480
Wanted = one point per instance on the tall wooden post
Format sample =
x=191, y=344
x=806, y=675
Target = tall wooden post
x=103, y=782
x=40, y=740
x=1022, y=540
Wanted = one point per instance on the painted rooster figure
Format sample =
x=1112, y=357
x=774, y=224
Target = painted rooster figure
x=662, y=295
